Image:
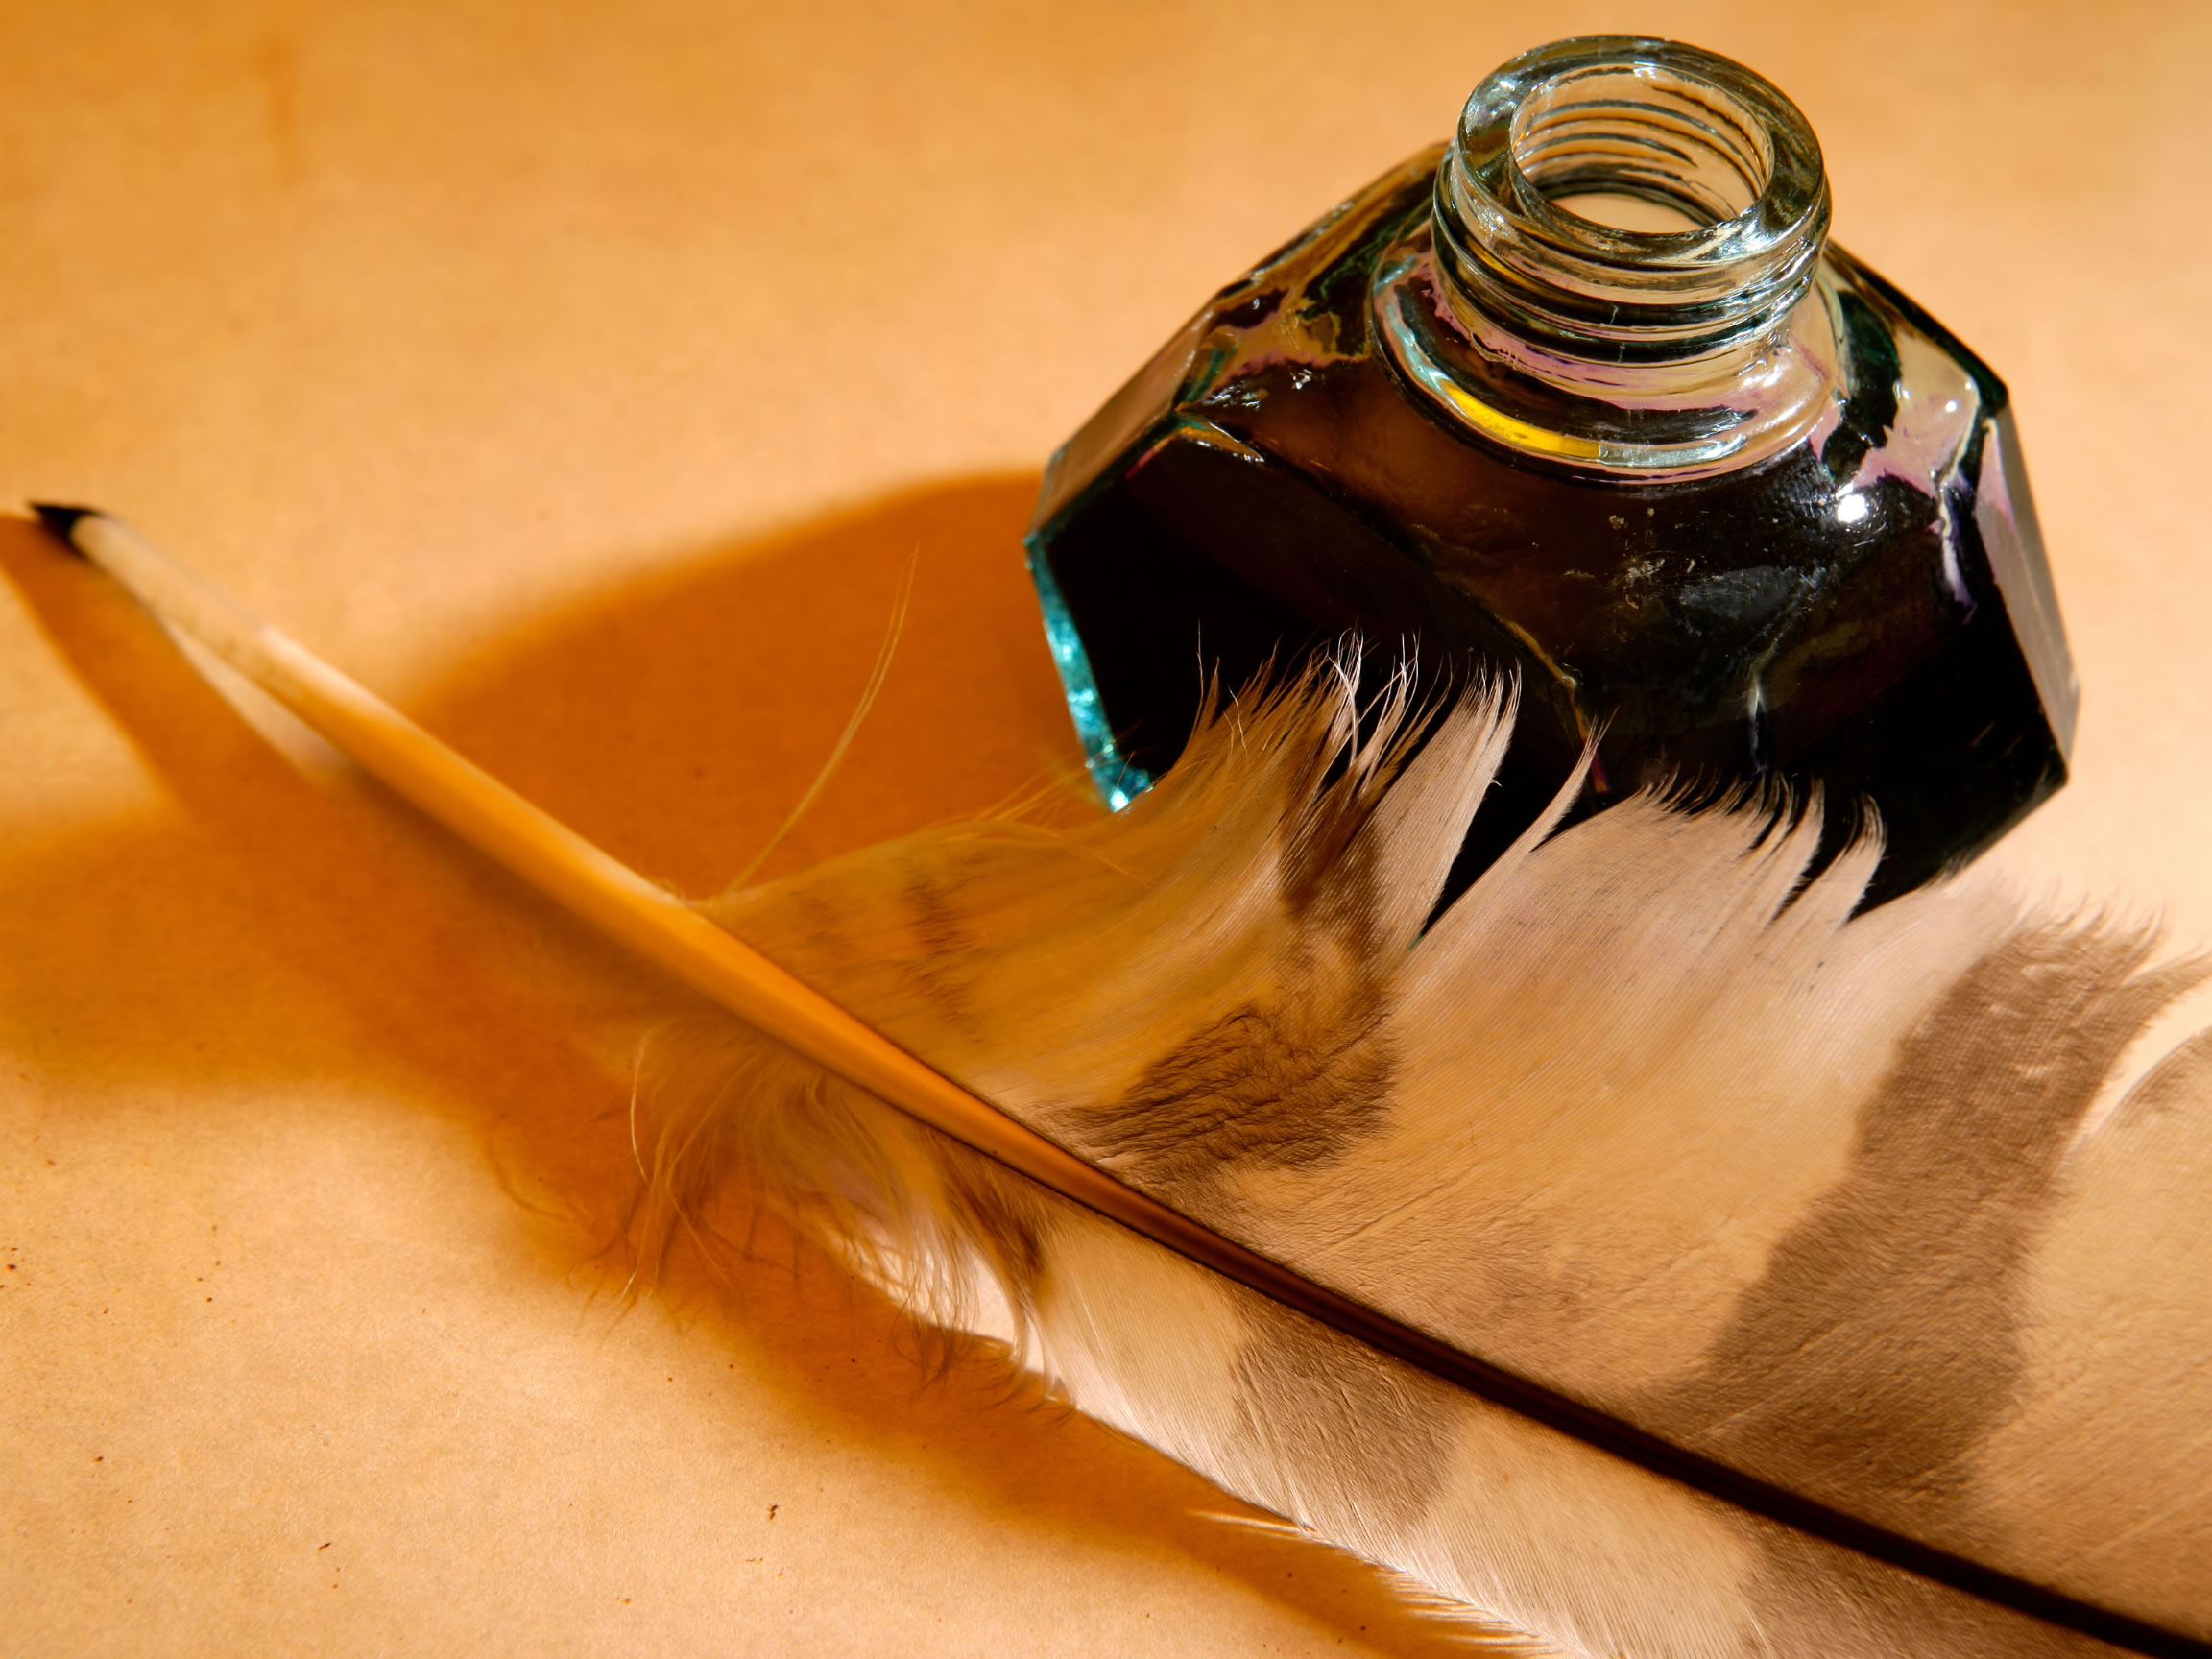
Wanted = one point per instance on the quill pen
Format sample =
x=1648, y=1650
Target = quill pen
x=675, y=935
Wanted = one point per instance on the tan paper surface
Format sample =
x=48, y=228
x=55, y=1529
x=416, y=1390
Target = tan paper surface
x=583, y=377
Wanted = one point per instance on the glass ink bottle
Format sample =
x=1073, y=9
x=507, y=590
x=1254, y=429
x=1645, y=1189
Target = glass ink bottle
x=1587, y=397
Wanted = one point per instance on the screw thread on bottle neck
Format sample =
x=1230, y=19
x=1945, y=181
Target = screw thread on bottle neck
x=1615, y=271
x=1628, y=199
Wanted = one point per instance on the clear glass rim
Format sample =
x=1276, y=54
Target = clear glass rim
x=1546, y=269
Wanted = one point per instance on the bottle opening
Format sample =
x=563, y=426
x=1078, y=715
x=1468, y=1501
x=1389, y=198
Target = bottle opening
x=1630, y=200
x=1650, y=150
x=1612, y=275
x=1623, y=210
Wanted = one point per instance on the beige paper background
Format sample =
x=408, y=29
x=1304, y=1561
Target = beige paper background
x=584, y=377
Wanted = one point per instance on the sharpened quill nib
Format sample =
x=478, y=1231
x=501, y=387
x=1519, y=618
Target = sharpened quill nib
x=62, y=521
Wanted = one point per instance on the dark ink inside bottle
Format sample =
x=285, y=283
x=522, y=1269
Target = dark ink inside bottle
x=1587, y=399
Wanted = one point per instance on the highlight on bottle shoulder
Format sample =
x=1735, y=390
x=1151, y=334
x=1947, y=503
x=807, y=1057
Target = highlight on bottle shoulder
x=1585, y=396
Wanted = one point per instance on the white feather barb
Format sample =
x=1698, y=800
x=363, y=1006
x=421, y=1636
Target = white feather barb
x=1646, y=1115
x=1647, y=1119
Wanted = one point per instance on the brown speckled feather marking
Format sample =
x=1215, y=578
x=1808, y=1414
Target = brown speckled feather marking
x=1880, y=1346
x=1313, y=1400
x=1646, y=1115
x=1293, y=1084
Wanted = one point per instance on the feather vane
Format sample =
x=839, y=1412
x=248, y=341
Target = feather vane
x=1650, y=1117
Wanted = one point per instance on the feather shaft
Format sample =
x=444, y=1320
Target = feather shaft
x=666, y=931
x=608, y=893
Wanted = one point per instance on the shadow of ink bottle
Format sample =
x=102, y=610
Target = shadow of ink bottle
x=1585, y=396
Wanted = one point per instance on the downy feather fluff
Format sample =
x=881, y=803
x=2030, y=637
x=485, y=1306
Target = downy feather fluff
x=1647, y=1116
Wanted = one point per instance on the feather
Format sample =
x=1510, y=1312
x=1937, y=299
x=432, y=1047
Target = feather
x=1649, y=1119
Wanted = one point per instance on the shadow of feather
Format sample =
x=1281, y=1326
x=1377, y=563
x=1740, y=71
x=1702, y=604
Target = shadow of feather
x=265, y=927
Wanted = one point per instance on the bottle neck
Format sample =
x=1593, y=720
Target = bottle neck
x=1615, y=272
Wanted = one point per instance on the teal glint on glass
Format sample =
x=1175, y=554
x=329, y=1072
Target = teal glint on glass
x=1586, y=396
x=1119, y=780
